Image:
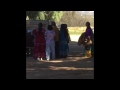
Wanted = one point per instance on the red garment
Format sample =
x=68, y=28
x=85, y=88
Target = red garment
x=39, y=44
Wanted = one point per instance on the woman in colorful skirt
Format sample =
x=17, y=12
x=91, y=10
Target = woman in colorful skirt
x=39, y=43
x=63, y=41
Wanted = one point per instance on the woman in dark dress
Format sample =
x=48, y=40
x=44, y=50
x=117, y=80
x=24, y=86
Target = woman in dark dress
x=63, y=41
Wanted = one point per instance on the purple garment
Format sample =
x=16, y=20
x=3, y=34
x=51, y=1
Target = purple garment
x=49, y=36
x=88, y=32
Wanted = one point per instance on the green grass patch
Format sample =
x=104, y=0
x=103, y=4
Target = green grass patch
x=74, y=32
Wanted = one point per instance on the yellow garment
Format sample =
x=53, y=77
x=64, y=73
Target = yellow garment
x=88, y=53
x=56, y=33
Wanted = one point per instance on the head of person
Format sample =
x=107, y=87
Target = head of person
x=87, y=24
x=53, y=23
x=64, y=29
x=50, y=27
x=40, y=27
x=65, y=26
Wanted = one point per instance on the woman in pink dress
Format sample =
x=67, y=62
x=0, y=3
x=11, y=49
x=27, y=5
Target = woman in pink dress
x=39, y=43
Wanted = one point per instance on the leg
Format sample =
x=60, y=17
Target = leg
x=66, y=50
x=47, y=51
x=84, y=51
x=52, y=45
x=42, y=51
x=61, y=48
x=56, y=49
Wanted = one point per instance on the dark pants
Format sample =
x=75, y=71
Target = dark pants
x=56, y=49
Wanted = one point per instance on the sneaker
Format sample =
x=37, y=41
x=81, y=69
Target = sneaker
x=41, y=59
x=48, y=59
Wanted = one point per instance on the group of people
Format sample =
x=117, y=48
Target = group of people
x=51, y=43
x=87, y=40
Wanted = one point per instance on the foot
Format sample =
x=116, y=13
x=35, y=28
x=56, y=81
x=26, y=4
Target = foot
x=48, y=59
x=38, y=59
x=41, y=59
x=65, y=56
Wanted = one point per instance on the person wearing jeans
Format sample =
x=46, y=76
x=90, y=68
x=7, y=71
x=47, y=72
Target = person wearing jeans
x=56, y=39
x=50, y=47
x=50, y=42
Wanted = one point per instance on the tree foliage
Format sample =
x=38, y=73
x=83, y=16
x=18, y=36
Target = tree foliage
x=40, y=16
x=32, y=14
x=73, y=19
x=44, y=15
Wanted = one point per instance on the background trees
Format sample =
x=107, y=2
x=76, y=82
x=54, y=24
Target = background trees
x=71, y=18
x=44, y=15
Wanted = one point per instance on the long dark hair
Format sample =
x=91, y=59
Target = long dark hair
x=50, y=27
x=40, y=27
x=53, y=23
x=64, y=29
x=88, y=25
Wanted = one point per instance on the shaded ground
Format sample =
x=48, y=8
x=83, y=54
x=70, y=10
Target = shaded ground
x=73, y=67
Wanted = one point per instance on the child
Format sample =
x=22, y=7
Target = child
x=50, y=42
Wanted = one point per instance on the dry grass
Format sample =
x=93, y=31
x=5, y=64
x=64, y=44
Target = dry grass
x=76, y=30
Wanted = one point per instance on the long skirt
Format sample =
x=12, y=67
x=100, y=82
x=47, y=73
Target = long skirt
x=56, y=49
x=39, y=50
x=63, y=48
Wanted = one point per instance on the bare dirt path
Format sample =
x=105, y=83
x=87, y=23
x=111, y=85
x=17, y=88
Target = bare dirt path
x=73, y=67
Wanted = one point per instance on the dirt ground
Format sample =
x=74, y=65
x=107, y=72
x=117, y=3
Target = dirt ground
x=75, y=66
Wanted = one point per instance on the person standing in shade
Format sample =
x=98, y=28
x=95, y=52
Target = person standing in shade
x=69, y=39
x=63, y=41
x=50, y=42
x=56, y=39
x=39, y=43
x=89, y=33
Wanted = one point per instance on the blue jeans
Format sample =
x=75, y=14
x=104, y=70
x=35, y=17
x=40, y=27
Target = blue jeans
x=50, y=47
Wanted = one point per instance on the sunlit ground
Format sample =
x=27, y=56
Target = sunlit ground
x=68, y=68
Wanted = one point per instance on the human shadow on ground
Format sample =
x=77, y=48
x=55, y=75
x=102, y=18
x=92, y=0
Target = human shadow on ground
x=74, y=66
x=70, y=68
